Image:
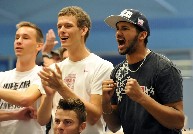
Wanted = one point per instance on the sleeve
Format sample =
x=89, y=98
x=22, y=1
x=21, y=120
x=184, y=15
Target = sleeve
x=40, y=87
x=169, y=85
x=102, y=73
x=39, y=84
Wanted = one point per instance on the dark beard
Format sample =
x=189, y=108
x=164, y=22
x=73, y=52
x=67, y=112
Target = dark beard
x=132, y=47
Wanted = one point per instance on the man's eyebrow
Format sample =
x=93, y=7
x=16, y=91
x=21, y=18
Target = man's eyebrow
x=22, y=34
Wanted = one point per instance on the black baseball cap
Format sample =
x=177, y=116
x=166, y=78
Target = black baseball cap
x=56, y=52
x=129, y=15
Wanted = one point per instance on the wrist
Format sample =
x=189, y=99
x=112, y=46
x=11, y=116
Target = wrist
x=14, y=115
x=106, y=102
x=108, y=112
x=107, y=109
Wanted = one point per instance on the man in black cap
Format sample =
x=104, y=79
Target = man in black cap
x=49, y=55
x=144, y=94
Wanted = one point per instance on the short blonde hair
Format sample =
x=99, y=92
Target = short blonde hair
x=83, y=19
x=40, y=37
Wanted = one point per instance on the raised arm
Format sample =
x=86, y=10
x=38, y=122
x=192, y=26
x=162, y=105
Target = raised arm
x=45, y=109
x=48, y=47
x=169, y=115
x=110, y=111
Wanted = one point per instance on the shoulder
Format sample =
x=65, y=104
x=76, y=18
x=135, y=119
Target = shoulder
x=98, y=60
x=164, y=64
x=161, y=60
x=8, y=72
x=118, y=65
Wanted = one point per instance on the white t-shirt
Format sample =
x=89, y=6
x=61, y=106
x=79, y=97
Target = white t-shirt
x=84, y=78
x=19, y=81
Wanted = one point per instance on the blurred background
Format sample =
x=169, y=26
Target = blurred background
x=171, y=24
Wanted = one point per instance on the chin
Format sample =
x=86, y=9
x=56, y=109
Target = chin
x=121, y=52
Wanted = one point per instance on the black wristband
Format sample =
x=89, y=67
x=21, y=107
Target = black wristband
x=48, y=55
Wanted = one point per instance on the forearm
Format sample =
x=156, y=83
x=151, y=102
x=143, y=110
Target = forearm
x=168, y=116
x=13, y=96
x=20, y=98
x=7, y=115
x=94, y=111
x=45, y=109
x=111, y=118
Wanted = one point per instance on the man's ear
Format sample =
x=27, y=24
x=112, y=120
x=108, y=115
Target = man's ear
x=39, y=46
x=82, y=127
x=84, y=31
x=142, y=35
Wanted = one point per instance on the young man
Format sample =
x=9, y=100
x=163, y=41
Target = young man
x=78, y=76
x=144, y=94
x=17, y=86
x=70, y=117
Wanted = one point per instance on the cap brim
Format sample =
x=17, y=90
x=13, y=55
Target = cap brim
x=113, y=19
x=55, y=52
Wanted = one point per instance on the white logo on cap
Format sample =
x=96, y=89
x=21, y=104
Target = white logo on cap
x=126, y=13
x=140, y=22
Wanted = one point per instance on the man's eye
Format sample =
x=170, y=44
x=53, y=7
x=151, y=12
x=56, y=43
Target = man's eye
x=59, y=27
x=25, y=38
x=67, y=123
x=57, y=121
x=124, y=28
x=68, y=26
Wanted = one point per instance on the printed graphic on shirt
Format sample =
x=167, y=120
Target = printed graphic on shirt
x=13, y=86
x=121, y=79
x=70, y=80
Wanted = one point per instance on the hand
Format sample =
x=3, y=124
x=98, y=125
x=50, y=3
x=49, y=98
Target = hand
x=26, y=113
x=52, y=79
x=108, y=87
x=48, y=62
x=133, y=90
x=49, y=91
x=50, y=42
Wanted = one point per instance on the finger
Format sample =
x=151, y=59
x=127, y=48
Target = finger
x=42, y=76
x=107, y=84
x=47, y=71
x=110, y=81
x=58, y=69
x=53, y=74
x=52, y=33
x=44, y=73
x=47, y=35
x=43, y=82
x=34, y=114
x=55, y=42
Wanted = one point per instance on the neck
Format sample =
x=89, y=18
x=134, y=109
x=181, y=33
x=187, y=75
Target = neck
x=78, y=54
x=137, y=56
x=23, y=66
